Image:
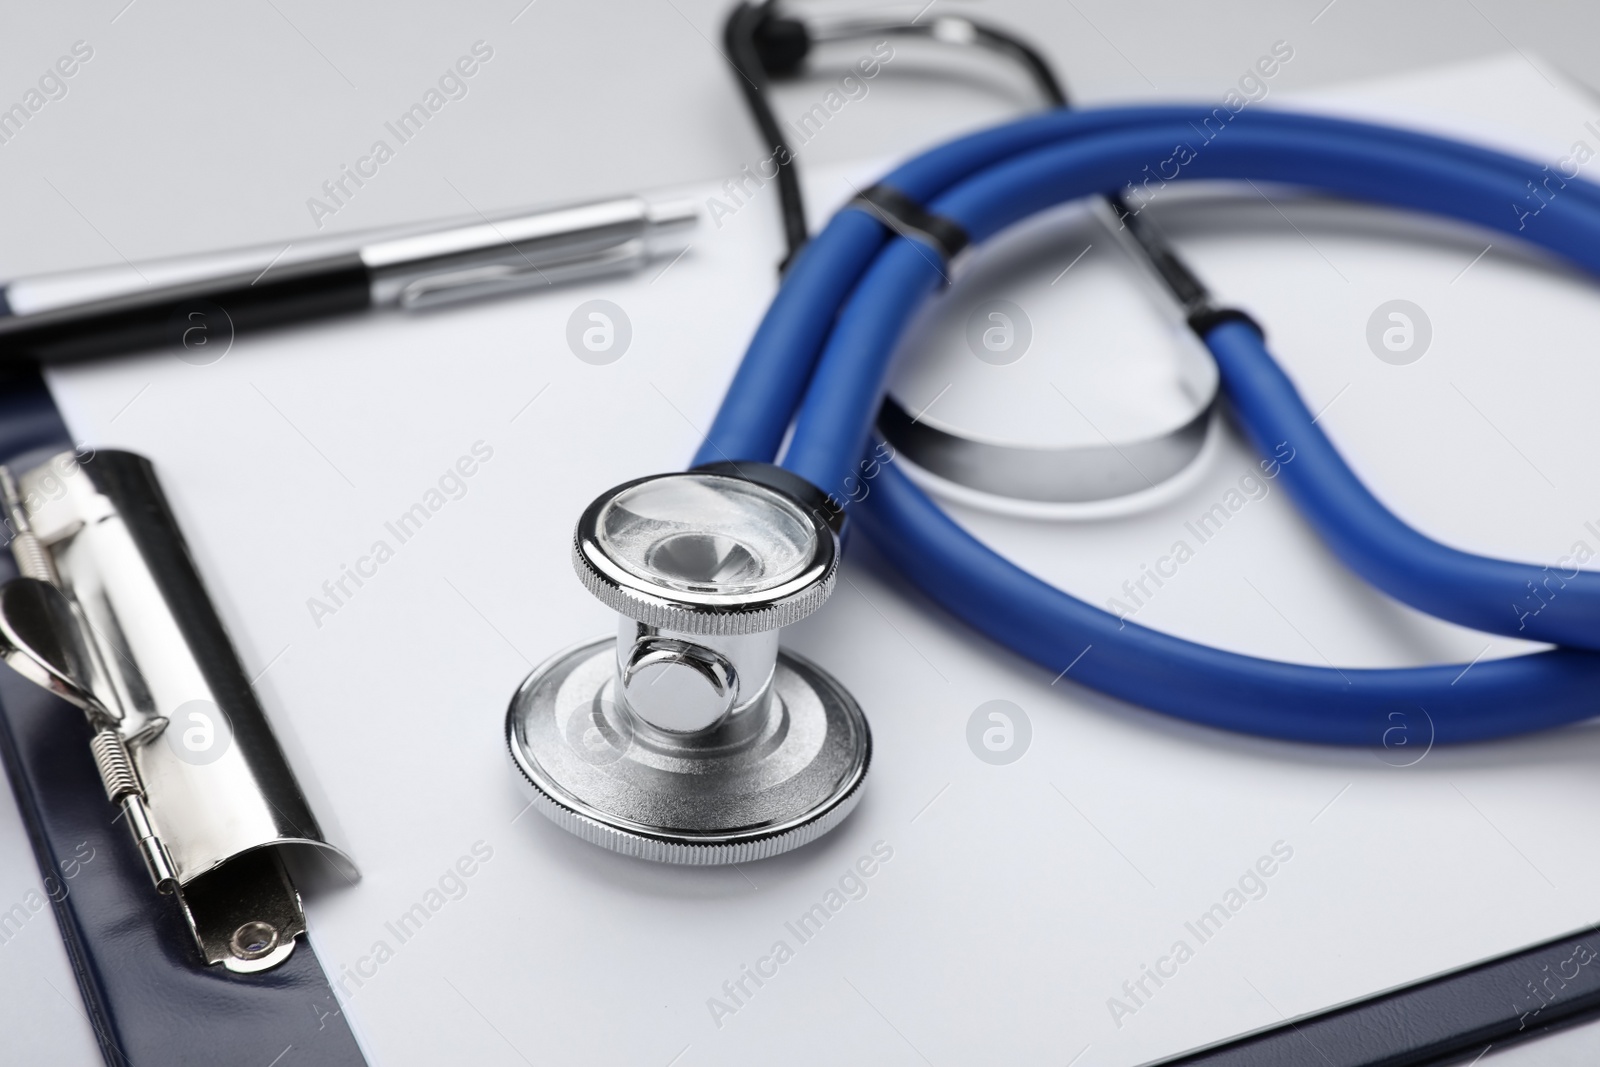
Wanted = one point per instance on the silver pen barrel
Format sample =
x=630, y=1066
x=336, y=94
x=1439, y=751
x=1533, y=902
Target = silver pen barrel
x=494, y=258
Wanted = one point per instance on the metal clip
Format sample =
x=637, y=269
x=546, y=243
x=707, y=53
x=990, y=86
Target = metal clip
x=110, y=615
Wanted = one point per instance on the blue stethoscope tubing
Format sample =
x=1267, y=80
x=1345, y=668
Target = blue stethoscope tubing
x=820, y=360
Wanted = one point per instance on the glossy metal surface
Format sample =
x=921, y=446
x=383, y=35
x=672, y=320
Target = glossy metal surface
x=170, y=677
x=40, y=639
x=690, y=738
x=713, y=607
x=765, y=781
x=246, y=914
x=750, y=658
x=949, y=29
x=471, y=262
x=675, y=685
x=129, y=588
x=1049, y=475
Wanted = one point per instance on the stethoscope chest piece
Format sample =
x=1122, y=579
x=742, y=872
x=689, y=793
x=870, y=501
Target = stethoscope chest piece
x=690, y=737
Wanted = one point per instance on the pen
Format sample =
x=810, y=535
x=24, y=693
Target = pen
x=51, y=320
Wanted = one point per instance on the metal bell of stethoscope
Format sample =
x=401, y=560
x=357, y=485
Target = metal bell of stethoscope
x=690, y=736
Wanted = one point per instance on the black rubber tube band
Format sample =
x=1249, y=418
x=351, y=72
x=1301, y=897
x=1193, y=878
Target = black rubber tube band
x=910, y=219
x=1203, y=321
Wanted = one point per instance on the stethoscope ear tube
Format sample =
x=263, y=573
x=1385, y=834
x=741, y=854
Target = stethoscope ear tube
x=821, y=357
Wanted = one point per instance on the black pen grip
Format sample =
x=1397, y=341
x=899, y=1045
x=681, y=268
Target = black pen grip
x=200, y=325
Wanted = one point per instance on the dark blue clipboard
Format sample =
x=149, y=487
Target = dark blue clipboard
x=148, y=995
x=1450, y=1018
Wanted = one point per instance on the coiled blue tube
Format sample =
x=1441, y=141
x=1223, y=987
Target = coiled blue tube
x=846, y=302
x=1495, y=698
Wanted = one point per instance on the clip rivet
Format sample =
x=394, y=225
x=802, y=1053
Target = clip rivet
x=253, y=940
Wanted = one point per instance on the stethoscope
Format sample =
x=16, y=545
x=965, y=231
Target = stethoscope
x=692, y=737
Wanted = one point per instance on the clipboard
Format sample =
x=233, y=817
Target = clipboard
x=145, y=947
x=960, y=860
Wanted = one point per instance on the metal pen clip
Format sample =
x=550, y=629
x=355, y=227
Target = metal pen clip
x=497, y=257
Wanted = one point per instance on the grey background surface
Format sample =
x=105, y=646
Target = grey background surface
x=198, y=127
